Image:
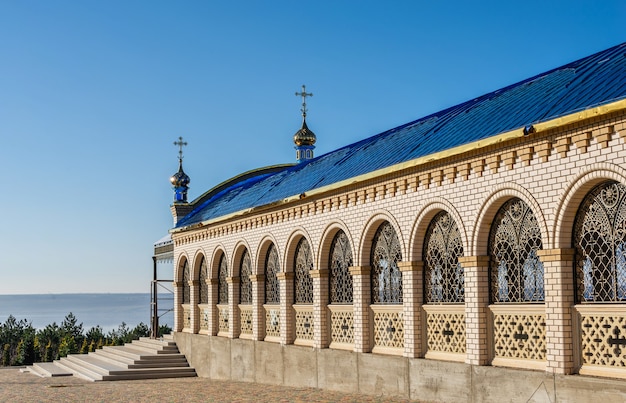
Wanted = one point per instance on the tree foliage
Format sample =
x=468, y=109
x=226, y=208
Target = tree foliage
x=22, y=344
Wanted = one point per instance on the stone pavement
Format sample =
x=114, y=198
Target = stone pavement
x=19, y=387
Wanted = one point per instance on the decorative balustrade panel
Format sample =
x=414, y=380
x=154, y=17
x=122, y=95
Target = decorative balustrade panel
x=603, y=339
x=204, y=317
x=342, y=325
x=246, y=319
x=272, y=321
x=304, y=322
x=446, y=331
x=388, y=327
x=186, y=317
x=222, y=319
x=519, y=335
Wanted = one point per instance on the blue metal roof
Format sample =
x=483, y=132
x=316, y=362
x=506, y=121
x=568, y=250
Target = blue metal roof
x=592, y=81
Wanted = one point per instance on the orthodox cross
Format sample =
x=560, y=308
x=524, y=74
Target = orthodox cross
x=304, y=94
x=180, y=143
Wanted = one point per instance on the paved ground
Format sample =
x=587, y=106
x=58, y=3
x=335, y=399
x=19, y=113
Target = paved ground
x=19, y=387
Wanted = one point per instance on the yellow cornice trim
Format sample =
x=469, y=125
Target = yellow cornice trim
x=458, y=150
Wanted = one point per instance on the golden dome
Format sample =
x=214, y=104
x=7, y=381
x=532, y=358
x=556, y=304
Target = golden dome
x=304, y=136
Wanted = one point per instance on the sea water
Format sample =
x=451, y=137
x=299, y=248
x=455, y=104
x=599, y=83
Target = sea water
x=105, y=310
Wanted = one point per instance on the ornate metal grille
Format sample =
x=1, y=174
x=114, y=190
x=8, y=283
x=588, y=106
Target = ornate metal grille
x=186, y=288
x=302, y=278
x=204, y=287
x=386, y=276
x=245, y=285
x=444, y=279
x=340, y=284
x=272, y=286
x=515, y=269
x=222, y=284
x=600, y=243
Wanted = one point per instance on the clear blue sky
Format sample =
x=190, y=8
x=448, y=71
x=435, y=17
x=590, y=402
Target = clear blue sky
x=94, y=93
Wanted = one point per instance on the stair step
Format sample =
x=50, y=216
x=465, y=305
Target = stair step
x=151, y=347
x=138, y=354
x=94, y=364
x=78, y=370
x=49, y=369
x=159, y=342
x=133, y=363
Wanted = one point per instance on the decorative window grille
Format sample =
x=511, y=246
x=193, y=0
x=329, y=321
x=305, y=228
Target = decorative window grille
x=600, y=244
x=272, y=286
x=245, y=285
x=386, y=277
x=515, y=269
x=302, y=278
x=186, y=288
x=444, y=279
x=222, y=284
x=340, y=283
x=204, y=287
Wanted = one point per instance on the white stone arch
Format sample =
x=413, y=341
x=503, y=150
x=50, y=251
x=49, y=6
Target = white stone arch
x=180, y=261
x=214, y=263
x=367, y=236
x=489, y=208
x=261, y=253
x=423, y=220
x=290, y=248
x=573, y=194
x=238, y=250
x=323, y=254
x=197, y=260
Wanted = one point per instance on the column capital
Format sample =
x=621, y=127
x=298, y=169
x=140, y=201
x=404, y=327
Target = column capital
x=474, y=261
x=321, y=273
x=211, y=281
x=411, y=266
x=194, y=283
x=285, y=275
x=360, y=270
x=556, y=255
x=232, y=280
x=177, y=283
x=257, y=278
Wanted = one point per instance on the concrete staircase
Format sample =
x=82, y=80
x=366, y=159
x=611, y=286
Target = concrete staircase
x=142, y=359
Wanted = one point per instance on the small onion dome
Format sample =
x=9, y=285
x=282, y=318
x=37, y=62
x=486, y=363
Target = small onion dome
x=304, y=136
x=180, y=178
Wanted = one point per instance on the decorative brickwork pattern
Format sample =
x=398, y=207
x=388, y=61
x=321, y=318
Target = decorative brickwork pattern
x=342, y=324
x=246, y=319
x=304, y=322
x=204, y=318
x=388, y=327
x=186, y=316
x=272, y=321
x=519, y=335
x=445, y=330
x=222, y=311
x=603, y=338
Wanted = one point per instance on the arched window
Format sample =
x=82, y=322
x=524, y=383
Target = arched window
x=515, y=269
x=600, y=244
x=340, y=283
x=443, y=274
x=303, y=263
x=186, y=289
x=204, y=287
x=222, y=284
x=272, y=267
x=386, y=277
x=245, y=285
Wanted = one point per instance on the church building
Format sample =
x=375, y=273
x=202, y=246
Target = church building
x=475, y=254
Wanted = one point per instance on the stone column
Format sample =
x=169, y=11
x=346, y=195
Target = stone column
x=212, y=299
x=476, y=270
x=194, y=288
x=234, y=318
x=320, y=311
x=361, y=295
x=178, y=309
x=558, y=266
x=412, y=296
x=287, y=317
x=258, y=312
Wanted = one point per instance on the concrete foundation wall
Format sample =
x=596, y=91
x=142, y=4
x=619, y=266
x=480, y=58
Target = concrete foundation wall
x=420, y=379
